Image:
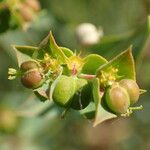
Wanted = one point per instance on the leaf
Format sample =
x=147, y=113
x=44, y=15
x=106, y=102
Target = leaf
x=26, y=50
x=45, y=45
x=124, y=62
x=42, y=92
x=24, y=53
x=89, y=111
x=54, y=85
x=100, y=113
x=92, y=63
x=67, y=51
x=49, y=45
x=56, y=50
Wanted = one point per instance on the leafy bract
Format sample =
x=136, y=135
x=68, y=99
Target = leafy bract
x=67, y=51
x=124, y=63
x=42, y=92
x=48, y=45
x=100, y=113
x=56, y=50
x=89, y=111
x=92, y=63
x=95, y=111
x=24, y=53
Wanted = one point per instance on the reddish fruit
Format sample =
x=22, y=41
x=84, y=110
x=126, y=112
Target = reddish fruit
x=27, y=65
x=32, y=79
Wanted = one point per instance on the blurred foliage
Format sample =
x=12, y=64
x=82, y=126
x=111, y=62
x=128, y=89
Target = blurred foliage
x=124, y=23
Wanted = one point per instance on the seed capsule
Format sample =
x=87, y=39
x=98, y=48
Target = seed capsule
x=117, y=99
x=32, y=79
x=27, y=65
x=132, y=89
x=64, y=90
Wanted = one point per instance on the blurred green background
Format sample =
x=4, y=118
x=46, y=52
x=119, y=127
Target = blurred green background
x=28, y=124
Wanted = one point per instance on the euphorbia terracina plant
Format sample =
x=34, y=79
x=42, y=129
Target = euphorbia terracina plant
x=97, y=88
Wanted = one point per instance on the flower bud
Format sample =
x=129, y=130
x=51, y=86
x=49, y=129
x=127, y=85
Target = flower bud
x=117, y=99
x=32, y=79
x=64, y=90
x=132, y=89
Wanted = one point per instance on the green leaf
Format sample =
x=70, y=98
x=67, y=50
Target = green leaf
x=124, y=62
x=100, y=113
x=49, y=45
x=94, y=111
x=24, y=53
x=42, y=92
x=67, y=51
x=26, y=50
x=54, y=85
x=56, y=50
x=45, y=45
x=89, y=111
x=92, y=63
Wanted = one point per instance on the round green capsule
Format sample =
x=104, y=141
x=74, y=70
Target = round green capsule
x=132, y=89
x=117, y=99
x=64, y=90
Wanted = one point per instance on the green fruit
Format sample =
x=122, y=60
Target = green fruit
x=132, y=89
x=27, y=65
x=83, y=95
x=64, y=90
x=32, y=79
x=117, y=99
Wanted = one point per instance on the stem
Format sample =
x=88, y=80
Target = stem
x=86, y=76
x=136, y=108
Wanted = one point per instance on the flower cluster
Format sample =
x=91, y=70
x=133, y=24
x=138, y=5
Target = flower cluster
x=91, y=84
